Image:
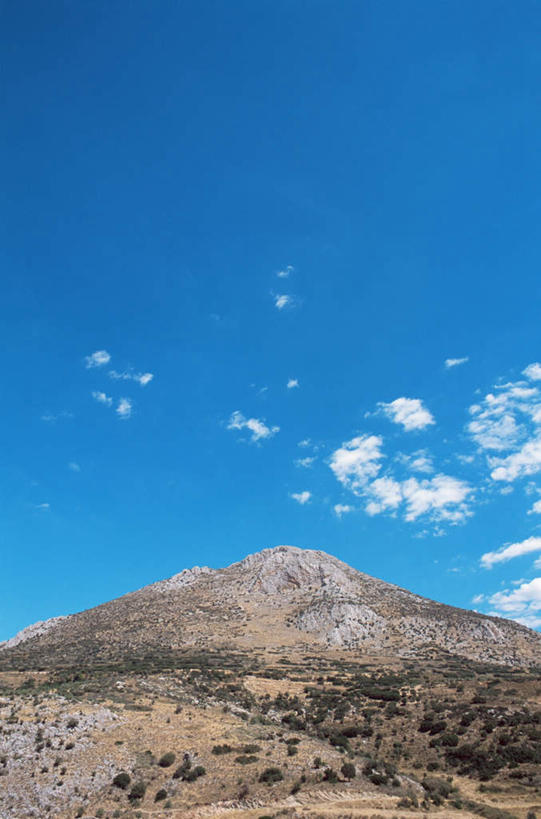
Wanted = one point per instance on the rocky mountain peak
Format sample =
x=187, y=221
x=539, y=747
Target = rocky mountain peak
x=289, y=568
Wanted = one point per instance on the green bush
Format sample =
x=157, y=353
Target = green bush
x=160, y=795
x=122, y=780
x=194, y=774
x=270, y=775
x=222, y=749
x=348, y=770
x=137, y=791
x=167, y=760
x=245, y=760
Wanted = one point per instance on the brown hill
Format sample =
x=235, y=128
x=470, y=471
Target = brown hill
x=279, y=598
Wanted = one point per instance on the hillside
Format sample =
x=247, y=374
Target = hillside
x=278, y=598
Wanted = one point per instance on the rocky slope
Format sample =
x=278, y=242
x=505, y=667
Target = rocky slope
x=279, y=598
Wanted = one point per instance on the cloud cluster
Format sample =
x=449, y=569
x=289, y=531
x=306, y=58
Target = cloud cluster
x=410, y=413
x=258, y=429
x=292, y=383
x=124, y=406
x=506, y=426
x=357, y=465
x=522, y=604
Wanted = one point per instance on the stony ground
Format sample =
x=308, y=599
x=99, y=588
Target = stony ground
x=333, y=737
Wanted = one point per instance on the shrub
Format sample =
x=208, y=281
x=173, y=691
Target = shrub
x=292, y=750
x=270, y=775
x=251, y=749
x=222, y=749
x=72, y=723
x=167, y=760
x=330, y=775
x=160, y=795
x=194, y=774
x=245, y=760
x=348, y=770
x=137, y=791
x=183, y=769
x=448, y=740
x=122, y=780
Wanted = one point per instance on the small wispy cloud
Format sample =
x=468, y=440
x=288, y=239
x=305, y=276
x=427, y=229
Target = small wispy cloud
x=410, y=413
x=524, y=547
x=43, y=506
x=455, y=362
x=50, y=417
x=292, y=383
x=342, y=509
x=141, y=378
x=286, y=272
x=102, y=398
x=305, y=442
x=282, y=300
x=124, y=408
x=536, y=508
x=74, y=467
x=305, y=462
x=258, y=428
x=533, y=371
x=97, y=359
x=301, y=497
x=419, y=461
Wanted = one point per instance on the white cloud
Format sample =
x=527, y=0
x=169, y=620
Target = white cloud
x=443, y=497
x=385, y=493
x=292, y=383
x=419, y=461
x=43, y=506
x=524, y=547
x=281, y=301
x=409, y=412
x=479, y=598
x=342, y=509
x=305, y=462
x=257, y=427
x=102, y=398
x=305, y=442
x=142, y=378
x=503, y=419
x=533, y=371
x=74, y=467
x=455, y=362
x=356, y=465
x=526, y=461
x=286, y=272
x=496, y=433
x=536, y=508
x=301, y=497
x=97, y=359
x=124, y=408
x=356, y=461
x=52, y=417
x=522, y=604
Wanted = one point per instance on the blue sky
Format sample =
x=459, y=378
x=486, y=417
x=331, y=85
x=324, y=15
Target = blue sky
x=290, y=215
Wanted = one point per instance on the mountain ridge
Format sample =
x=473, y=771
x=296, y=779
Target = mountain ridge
x=282, y=597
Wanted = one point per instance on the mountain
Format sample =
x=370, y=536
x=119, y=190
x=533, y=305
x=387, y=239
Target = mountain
x=276, y=600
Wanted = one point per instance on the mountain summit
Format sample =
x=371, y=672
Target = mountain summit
x=279, y=599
